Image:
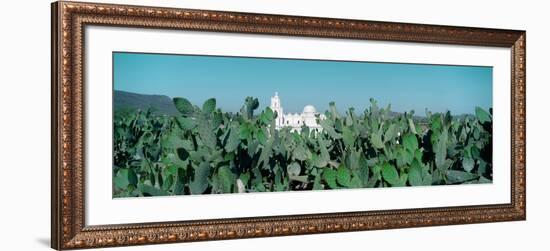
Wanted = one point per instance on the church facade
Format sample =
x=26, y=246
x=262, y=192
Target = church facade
x=295, y=121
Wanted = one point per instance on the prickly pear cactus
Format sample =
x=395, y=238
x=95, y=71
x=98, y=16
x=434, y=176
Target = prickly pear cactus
x=206, y=151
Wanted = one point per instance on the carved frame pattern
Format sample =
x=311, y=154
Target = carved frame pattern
x=68, y=22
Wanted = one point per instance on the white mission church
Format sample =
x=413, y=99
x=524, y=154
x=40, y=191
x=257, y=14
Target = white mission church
x=294, y=120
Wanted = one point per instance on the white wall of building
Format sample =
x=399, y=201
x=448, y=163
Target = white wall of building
x=295, y=121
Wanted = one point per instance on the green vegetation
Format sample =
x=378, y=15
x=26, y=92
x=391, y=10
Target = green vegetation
x=204, y=150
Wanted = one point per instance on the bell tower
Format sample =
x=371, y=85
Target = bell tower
x=276, y=107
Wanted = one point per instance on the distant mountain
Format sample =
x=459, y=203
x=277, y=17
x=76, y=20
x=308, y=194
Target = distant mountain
x=161, y=104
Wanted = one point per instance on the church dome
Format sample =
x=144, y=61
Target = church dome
x=309, y=109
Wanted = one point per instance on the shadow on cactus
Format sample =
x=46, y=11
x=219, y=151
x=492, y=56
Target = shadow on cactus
x=204, y=150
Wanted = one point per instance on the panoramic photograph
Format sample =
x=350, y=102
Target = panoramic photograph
x=200, y=124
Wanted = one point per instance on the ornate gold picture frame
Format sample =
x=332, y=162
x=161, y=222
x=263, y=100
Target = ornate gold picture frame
x=69, y=228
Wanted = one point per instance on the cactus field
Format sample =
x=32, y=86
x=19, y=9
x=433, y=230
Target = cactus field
x=205, y=150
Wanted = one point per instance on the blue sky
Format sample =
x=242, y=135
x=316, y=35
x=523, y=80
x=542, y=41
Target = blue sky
x=302, y=82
